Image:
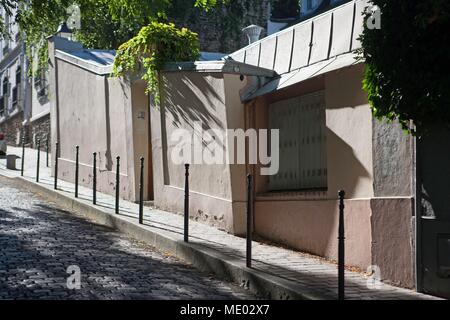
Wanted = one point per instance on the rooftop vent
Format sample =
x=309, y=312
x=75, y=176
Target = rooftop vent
x=253, y=32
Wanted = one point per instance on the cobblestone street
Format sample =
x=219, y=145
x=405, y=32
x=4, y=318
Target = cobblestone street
x=38, y=242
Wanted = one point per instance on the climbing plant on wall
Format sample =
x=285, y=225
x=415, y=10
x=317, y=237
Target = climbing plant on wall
x=153, y=47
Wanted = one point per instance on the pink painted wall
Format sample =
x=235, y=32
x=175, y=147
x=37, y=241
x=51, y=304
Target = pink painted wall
x=392, y=243
x=312, y=226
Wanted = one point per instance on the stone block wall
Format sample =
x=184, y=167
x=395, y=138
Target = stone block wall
x=40, y=130
x=13, y=129
x=220, y=30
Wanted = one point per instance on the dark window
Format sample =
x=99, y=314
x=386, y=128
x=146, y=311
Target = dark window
x=285, y=9
x=5, y=85
x=42, y=92
x=2, y=106
x=15, y=96
x=18, y=75
x=40, y=83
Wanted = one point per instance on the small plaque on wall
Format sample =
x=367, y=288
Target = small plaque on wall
x=141, y=115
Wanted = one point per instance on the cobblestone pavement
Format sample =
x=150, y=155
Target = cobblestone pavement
x=38, y=242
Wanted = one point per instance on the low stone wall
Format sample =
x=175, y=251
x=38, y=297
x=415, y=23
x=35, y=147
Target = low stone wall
x=13, y=129
x=40, y=129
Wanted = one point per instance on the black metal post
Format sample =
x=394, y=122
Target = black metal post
x=94, y=175
x=249, y=219
x=38, y=164
x=77, y=169
x=141, y=194
x=341, y=248
x=22, y=168
x=46, y=149
x=186, y=205
x=56, y=165
x=117, y=184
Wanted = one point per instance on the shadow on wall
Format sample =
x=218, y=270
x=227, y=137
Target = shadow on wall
x=186, y=99
x=181, y=98
x=310, y=225
x=345, y=171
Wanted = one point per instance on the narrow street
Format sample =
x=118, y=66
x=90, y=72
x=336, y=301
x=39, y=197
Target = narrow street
x=39, y=242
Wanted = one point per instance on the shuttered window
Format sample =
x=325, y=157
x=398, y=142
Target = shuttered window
x=303, y=159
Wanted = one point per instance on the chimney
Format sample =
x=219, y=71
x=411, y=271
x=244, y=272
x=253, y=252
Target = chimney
x=253, y=32
x=64, y=31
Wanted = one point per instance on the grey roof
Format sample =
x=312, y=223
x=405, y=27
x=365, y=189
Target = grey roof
x=211, y=56
x=97, y=61
x=101, y=61
x=97, y=57
x=316, y=40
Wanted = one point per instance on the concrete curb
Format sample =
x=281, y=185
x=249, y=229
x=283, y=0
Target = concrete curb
x=262, y=284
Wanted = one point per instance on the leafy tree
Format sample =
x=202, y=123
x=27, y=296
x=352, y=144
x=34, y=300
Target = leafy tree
x=106, y=24
x=407, y=75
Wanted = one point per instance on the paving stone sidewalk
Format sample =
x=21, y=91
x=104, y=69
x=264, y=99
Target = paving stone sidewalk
x=317, y=275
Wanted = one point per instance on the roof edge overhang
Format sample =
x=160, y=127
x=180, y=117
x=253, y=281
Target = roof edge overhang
x=303, y=74
x=222, y=66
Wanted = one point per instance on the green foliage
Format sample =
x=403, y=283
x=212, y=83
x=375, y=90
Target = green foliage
x=8, y=6
x=153, y=47
x=407, y=74
x=37, y=20
x=106, y=24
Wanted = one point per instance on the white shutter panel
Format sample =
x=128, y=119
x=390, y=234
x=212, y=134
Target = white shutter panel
x=301, y=122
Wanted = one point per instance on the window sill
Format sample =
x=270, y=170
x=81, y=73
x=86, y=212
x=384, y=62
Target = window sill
x=300, y=195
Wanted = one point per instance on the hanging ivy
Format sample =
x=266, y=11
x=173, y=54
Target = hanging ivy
x=153, y=47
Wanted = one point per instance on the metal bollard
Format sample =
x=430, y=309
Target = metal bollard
x=22, y=168
x=341, y=248
x=77, y=169
x=249, y=219
x=94, y=173
x=141, y=194
x=38, y=164
x=186, y=205
x=117, y=184
x=56, y=165
x=46, y=149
